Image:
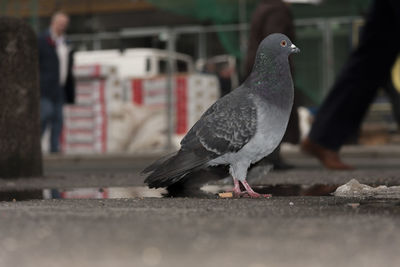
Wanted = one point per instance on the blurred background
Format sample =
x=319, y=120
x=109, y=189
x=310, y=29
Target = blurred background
x=147, y=69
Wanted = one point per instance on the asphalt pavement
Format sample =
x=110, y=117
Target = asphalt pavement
x=279, y=231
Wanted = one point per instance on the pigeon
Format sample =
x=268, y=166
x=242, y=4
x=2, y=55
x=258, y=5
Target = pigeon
x=240, y=128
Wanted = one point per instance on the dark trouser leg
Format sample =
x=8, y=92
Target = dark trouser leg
x=292, y=134
x=46, y=112
x=355, y=88
x=56, y=127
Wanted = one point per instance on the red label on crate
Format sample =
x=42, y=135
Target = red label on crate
x=137, y=91
x=181, y=105
x=97, y=71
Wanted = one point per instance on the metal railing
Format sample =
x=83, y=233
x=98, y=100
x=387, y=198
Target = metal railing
x=325, y=57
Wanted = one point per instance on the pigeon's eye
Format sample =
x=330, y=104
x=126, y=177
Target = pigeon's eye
x=283, y=43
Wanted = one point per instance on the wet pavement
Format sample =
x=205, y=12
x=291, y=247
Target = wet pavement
x=375, y=166
x=301, y=225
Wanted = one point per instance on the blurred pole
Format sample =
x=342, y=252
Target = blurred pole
x=242, y=32
x=17, y=6
x=96, y=43
x=35, y=15
x=202, y=48
x=170, y=88
x=328, y=55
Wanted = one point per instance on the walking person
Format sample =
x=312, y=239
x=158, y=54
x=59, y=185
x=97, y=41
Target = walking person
x=367, y=68
x=57, y=85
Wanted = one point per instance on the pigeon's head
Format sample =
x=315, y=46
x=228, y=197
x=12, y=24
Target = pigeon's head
x=278, y=44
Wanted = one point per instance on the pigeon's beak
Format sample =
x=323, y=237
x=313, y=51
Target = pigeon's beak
x=294, y=49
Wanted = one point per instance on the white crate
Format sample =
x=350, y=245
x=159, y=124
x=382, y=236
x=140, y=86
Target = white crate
x=193, y=94
x=94, y=71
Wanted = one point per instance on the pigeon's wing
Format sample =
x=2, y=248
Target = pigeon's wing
x=225, y=127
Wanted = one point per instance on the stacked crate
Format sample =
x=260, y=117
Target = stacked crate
x=85, y=122
x=192, y=95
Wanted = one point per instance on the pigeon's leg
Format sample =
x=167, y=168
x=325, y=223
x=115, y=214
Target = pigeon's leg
x=236, y=189
x=241, y=171
x=251, y=192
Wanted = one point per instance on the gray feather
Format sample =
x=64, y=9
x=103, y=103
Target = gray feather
x=227, y=126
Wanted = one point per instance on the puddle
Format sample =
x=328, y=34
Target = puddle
x=103, y=193
x=21, y=195
x=208, y=191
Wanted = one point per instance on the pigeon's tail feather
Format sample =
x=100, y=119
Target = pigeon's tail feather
x=158, y=163
x=167, y=171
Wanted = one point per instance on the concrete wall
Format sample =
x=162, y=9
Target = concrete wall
x=20, y=152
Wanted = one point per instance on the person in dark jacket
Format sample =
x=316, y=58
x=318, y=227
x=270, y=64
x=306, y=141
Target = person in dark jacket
x=272, y=16
x=366, y=69
x=57, y=84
